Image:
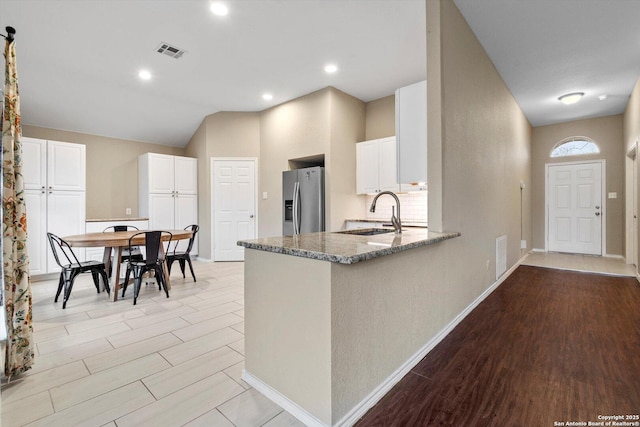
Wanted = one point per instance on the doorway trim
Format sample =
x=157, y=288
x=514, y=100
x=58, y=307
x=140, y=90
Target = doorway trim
x=212, y=189
x=631, y=205
x=603, y=182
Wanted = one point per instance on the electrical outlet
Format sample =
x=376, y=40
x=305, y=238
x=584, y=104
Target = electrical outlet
x=127, y=211
x=523, y=244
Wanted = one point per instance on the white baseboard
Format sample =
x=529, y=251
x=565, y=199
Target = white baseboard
x=198, y=258
x=538, y=250
x=285, y=403
x=638, y=277
x=613, y=256
x=378, y=393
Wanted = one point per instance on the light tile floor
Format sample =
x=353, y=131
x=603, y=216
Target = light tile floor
x=577, y=262
x=164, y=362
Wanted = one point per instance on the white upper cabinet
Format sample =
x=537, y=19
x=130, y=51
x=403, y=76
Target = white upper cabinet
x=376, y=166
x=169, y=174
x=411, y=133
x=161, y=173
x=34, y=163
x=66, y=166
x=186, y=175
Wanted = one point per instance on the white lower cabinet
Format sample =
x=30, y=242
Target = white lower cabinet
x=65, y=217
x=37, y=244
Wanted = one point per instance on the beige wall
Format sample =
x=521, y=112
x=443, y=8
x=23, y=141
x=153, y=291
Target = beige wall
x=327, y=122
x=380, y=118
x=631, y=135
x=298, y=128
x=112, y=169
x=607, y=133
x=223, y=134
x=347, y=127
x=486, y=153
x=197, y=147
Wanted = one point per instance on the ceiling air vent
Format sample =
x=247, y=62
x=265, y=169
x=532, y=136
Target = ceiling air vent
x=172, y=51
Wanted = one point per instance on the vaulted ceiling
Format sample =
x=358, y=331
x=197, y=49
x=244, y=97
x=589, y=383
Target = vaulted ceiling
x=78, y=61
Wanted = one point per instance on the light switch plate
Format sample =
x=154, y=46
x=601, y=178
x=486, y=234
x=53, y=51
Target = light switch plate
x=264, y=195
x=613, y=195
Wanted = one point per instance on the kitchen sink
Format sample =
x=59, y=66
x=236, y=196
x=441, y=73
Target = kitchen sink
x=366, y=231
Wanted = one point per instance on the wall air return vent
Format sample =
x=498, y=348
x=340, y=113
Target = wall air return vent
x=169, y=50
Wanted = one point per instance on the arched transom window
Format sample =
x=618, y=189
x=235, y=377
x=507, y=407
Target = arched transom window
x=575, y=146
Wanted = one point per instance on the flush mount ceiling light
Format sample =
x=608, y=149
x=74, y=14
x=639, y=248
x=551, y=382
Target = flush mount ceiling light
x=144, y=75
x=219, y=8
x=330, y=68
x=267, y=97
x=571, y=98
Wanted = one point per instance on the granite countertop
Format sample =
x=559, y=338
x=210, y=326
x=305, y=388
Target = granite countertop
x=347, y=248
x=422, y=224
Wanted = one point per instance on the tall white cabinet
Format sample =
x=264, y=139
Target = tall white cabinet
x=55, y=183
x=168, y=192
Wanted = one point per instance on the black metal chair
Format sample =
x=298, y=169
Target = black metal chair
x=73, y=268
x=183, y=256
x=127, y=253
x=154, y=262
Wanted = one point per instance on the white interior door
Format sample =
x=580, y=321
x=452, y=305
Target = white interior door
x=234, y=207
x=575, y=208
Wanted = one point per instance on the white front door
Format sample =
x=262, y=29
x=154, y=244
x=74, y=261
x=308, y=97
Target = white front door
x=234, y=207
x=575, y=208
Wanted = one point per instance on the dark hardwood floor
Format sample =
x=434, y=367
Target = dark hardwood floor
x=547, y=346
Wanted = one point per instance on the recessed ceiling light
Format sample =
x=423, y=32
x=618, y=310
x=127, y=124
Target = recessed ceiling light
x=603, y=97
x=331, y=68
x=144, y=75
x=267, y=97
x=219, y=8
x=571, y=98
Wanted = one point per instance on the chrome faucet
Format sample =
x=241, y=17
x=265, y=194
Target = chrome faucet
x=397, y=225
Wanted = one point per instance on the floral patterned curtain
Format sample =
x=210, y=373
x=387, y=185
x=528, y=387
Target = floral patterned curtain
x=19, y=348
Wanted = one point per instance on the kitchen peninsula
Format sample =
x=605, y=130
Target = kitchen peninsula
x=333, y=319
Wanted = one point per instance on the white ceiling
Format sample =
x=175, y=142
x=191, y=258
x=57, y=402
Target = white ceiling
x=546, y=48
x=78, y=60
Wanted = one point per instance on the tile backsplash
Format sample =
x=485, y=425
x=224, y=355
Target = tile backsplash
x=413, y=207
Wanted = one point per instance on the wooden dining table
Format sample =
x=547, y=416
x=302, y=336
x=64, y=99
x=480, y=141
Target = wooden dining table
x=115, y=242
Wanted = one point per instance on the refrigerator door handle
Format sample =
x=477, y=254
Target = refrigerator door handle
x=295, y=208
x=298, y=208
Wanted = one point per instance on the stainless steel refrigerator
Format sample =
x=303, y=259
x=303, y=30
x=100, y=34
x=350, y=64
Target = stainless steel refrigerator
x=303, y=201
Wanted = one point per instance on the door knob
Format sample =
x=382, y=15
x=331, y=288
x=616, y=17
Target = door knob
x=597, y=213
x=597, y=207
x=251, y=216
